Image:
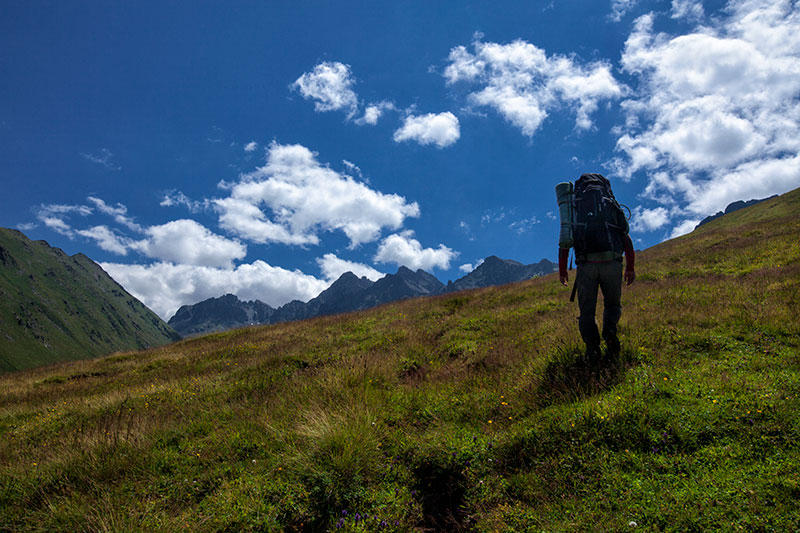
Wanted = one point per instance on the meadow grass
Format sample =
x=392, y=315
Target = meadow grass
x=468, y=411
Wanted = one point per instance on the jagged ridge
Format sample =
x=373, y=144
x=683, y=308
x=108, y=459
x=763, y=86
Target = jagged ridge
x=348, y=293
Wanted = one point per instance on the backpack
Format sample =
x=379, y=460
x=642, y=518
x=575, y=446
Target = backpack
x=600, y=226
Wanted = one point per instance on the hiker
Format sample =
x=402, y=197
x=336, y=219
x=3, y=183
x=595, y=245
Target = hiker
x=597, y=229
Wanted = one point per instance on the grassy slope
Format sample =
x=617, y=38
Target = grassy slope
x=55, y=307
x=465, y=411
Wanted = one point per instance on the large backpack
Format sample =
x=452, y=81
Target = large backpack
x=600, y=225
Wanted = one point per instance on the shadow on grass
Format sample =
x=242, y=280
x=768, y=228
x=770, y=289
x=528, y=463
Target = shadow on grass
x=569, y=376
x=441, y=490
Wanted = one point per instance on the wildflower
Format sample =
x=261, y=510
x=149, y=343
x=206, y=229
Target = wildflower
x=490, y=421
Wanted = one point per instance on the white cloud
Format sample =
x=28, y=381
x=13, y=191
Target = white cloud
x=620, y=7
x=53, y=216
x=469, y=267
x=684, y=227
x=373, y=112
x=58, y=225
x=293, y=198
x=440, y=129
x=688, y=9
x=251, y=146
x=120, y=213
x=333, y=267
x=103, y=158
x=106, y=239
x=329, y=85
x=523, y=84
x=524, y=225
x=164, y=287
x=403, y=250
x=175, y=198
x=466, y=268
x=649, y=219
x=755, y=179
x=352, y=167
x=717, y=115
x=189, y=243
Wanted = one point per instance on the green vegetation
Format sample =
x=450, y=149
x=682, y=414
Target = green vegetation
x=55, y=307
x=461, y=412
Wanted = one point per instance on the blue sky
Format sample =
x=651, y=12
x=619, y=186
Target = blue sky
x=264, y=148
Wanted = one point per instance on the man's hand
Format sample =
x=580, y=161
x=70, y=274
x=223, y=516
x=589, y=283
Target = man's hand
x=630, y=275
x=564, y=278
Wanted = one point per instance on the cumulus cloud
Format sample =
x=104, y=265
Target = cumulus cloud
x=717, y=115
x=330, y=86
x=293, y=198
x=403, y=249
x=373, y=112
x=469, y=267
x=523, y=84
x=251, y=146
x=188, y=242
x=649, y=219
x=106, y=239
x=441, y=129
x=466, y=268
x=333, y=267
x=684, y=227
x=164, y=287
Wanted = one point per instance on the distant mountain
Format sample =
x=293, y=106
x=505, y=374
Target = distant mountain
x=219, y=314
x=735, y=206
x=348, y=293
x=55, y=307
x=496, y=271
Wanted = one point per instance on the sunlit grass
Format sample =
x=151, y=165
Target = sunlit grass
x=464, y=412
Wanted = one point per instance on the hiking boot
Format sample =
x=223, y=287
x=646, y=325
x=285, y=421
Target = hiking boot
x=592, y=355
x=612, y=346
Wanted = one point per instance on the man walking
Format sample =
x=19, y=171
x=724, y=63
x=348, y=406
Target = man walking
x=600, y=238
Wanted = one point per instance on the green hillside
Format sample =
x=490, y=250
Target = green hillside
x=55, y=307
x=465, y=412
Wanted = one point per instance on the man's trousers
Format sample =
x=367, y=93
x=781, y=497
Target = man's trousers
x=606, y=276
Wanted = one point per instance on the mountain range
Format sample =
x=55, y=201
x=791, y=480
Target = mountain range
x=348, y=293
x=469, y=411
x=735, y=206
x=56, y=307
